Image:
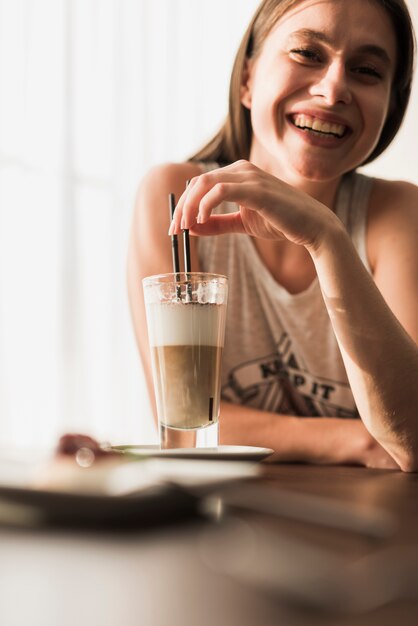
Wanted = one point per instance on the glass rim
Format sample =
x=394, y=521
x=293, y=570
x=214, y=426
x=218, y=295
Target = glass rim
x=183, y=278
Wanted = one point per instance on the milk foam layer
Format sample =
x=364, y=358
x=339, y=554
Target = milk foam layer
x=183, y=324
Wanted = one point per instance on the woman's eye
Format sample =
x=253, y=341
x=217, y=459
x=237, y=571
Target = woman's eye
x=367, y=71
x=306, y=53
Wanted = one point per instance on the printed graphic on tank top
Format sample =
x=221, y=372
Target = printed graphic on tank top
x=278, y=383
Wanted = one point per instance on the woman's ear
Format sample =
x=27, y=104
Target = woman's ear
x=246, y=84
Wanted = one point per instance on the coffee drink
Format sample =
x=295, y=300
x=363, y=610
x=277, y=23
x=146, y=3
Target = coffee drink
x=186, y=327
x=186, y=340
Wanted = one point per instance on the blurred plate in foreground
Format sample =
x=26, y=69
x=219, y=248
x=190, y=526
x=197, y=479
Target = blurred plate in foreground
x=121, y=491
x=224, y=453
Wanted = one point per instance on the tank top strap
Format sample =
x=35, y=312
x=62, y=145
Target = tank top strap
x=207, y=166
x=352, y=207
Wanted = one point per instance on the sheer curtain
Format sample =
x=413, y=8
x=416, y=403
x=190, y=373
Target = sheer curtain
x=93, y=93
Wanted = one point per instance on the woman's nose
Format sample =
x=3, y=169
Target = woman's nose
x=332, y=84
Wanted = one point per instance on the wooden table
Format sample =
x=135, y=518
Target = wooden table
x=178, y=575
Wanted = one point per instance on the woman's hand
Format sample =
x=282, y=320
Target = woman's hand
x=268, y=207
x=320, y=441
x=375, y=456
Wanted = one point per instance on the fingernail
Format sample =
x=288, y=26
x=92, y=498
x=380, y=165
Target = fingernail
x=199, y=219
x=183, y=223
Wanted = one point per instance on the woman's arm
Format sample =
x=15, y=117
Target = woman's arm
x=318, y=440
x=380, y=355
x=376, y=324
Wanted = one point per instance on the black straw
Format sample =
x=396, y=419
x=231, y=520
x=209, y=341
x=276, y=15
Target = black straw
x=211, y=409
x=187, y=261
x=174, y=242
x=186, y=243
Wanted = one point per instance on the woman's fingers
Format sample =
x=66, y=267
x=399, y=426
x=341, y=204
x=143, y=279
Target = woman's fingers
x=203, y=194
x=269, y=208
x=222, y=191
x=219, y=225
x=257, y=194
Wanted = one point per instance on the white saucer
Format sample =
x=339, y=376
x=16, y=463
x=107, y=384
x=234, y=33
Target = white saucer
x=238, y=453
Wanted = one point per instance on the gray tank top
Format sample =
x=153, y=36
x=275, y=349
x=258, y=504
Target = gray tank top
x=280, y=352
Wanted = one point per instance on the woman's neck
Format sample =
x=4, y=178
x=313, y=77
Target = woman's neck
x=324, y=191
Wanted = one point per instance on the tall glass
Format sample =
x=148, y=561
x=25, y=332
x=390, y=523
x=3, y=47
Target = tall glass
x=186, y=327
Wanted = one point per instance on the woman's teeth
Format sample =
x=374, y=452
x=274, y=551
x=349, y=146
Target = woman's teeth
x=312, y=123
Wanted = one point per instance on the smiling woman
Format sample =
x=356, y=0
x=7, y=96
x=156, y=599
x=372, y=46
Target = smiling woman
x=370, y=61
x=92, y=94
x=320, y=77
x=319, y=88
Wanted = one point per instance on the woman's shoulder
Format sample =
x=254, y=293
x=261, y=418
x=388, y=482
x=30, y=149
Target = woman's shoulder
x=393, y=200
x=384, y=190
x=393, y=212
x=169, y=178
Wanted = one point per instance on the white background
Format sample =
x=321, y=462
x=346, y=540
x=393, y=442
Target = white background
x=92, y=94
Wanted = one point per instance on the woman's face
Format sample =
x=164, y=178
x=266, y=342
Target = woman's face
x=319, y=91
